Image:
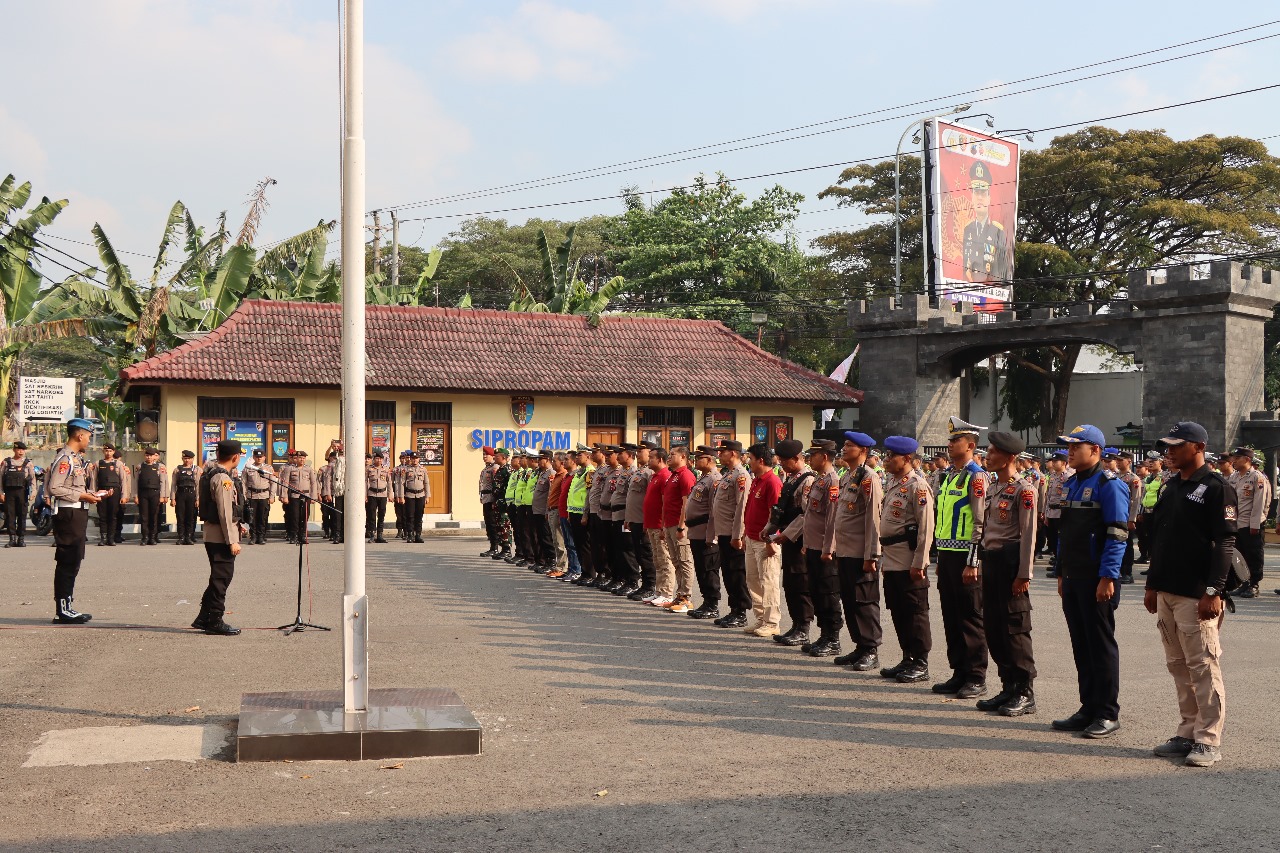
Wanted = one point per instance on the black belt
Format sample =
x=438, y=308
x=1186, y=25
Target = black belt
x=696, y=522
x=257, y=496
x=186, y=488
x=378, y=492
x=486, y=491
x=414, y=494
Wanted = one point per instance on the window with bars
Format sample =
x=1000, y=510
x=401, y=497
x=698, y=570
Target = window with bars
x=432, y=412
x=244, y=408
x=657, y=416
x=606, y=416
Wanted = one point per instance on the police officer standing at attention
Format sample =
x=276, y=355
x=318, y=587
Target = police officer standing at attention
x=68, y=492
x=1253, y=491
x=962, y=497
x=727, y=525
x=1124, y=473
x=17, y=476
x=544, y=540
x=1193, y=530
x=851, y=546
x=502, y=522
x=337, y=492
x=706, y=554
x=1095, y=528
x=182, y=496
x=152, y=484
x=111, y=475
x=488, y=502
x=260, y=493
x=599, y=518
x=905, y=534
x=303, y=478
x=414, y=491
x=377, y=486
x=1008, y=553
x=795, y=571
x=220, y=511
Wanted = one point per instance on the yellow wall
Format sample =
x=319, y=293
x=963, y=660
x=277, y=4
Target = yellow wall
x=316, y=421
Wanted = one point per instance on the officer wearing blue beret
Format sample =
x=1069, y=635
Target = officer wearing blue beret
x=68, y=490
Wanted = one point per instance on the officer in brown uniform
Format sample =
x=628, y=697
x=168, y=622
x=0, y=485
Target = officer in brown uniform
x=151, y=482
x=220, y=511
x=377, y=488
x=727, y=506
x=622, y=550
x=414, y=490
x=303, y=478
x=260, y=492
x=1008, y=554
x=544, y=551
x=488, y=501
x=67, y=486
x=286, y=479
x=1253, y=497
x=633, y=525
x=851, y=545
x=183, y=498
x=906, y=532
x=324, y=483
x=795, y=571
x=706, y=553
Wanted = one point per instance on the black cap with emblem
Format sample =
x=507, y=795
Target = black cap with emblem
x=1006, y=441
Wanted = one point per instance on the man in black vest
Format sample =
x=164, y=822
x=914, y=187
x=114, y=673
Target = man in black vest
x=17, y=475
x=152, y=483
x=795, y=571
x=182, y=497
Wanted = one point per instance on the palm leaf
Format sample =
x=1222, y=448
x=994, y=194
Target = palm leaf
x=177, y=217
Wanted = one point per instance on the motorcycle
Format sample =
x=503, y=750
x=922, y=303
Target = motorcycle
x=41, y=513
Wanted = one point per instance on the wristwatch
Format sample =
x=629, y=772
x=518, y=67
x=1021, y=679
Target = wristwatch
x=1211, y=592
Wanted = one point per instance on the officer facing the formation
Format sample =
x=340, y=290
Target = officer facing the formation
x=220, y=511
x=488, y=501
x=795, y=571
x=1253, y=492
x=1091, y=542
x=962, y=497
x=17, y=476
x=905, y=535
x=1008, y=553
x=68, y=490
x=260, y=494
x=986, y=251
x=852, y=543
x=727, y=526
x=415, y=489
x=377, y=486
x=1124, y=473
x=182, y=496
x=151, y=482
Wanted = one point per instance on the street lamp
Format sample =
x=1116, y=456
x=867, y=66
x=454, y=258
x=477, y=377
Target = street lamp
x=1022, y=132
x=759, y=318
x=897, y=192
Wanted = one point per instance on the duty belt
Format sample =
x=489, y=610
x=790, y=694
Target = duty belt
x=257, y=496
x=415, y=494
x=377, y=491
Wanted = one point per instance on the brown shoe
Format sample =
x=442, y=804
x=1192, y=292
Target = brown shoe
x=556, y=574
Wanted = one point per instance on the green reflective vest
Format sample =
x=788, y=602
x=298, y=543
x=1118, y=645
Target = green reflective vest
x=577, y=500
x=954, y=528
x=1151, y=492
x=513, y=483
x=525, y=496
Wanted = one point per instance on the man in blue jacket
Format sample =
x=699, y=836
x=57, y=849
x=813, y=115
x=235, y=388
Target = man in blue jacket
x=1093, y=533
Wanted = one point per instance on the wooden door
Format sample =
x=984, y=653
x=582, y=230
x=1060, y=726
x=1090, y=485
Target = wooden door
x=431, y=440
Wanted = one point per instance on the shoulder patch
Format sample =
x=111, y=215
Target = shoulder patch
x=226, y=485
x=742, y=484
x=979, y=486
x=1230, y=512
x=64, y=467
x=866, y=485
x=1028, y=500
x=924, y=499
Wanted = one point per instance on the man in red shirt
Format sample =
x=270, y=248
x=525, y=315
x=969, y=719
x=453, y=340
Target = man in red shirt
x=764, y=562
x=659, y=594
x=675, y=496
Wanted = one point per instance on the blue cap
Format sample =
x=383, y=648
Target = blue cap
x=859, y=438
x=1061, y=451
x=1110, y=453
x=901, y=444
x=82, y=423
x=1084, y=434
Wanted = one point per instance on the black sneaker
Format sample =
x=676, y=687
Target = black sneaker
x=705, y=612
x=892, y=671
x=732, y=619
x=1126, y=579
x=639, y=594
x=1175, y=747
x=916, y=671
x=951, y=685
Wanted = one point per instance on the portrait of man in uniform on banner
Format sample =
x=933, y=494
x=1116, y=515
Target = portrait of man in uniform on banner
x=974, y=212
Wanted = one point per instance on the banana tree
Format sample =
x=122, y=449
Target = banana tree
x=423, y=292
x=562, y=292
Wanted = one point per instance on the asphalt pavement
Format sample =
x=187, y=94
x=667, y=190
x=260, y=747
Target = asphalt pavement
x=607, y=725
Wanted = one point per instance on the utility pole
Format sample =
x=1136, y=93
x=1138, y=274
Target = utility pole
x=355, y=609
x=377, y=241
x=395, y=258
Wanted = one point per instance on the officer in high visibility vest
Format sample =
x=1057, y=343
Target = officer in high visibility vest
x=577, y=505
x=961, y=506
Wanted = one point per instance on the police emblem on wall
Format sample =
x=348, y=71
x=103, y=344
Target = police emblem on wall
x=522, y=410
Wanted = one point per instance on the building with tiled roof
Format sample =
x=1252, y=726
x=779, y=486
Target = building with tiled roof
x=448, y=381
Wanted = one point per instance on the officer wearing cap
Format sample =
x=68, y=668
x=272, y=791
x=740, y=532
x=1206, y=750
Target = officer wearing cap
x=415, y=491
x=597, y=525
x=112, y=475
x=260, y=493
x=647, y=546
x=702, y=541
x=961, y=505
x=377, y=487
x=543, y=539
x=220, y=511
x=299, y=477
x=501, y=510
x=17, y=476
x=790, y=511
x=1124, y=473
x=151, y=484
x=488, y=500
x=1008, y=554
x=903, y=536
x=986, y=253
x=1091, y=542
x=1253, y=494
x=727, y=507
x=622, y=548
x=67, y=487
x=182, y=496
x=577, y=504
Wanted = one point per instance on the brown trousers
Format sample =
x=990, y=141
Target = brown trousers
x=1193, y=654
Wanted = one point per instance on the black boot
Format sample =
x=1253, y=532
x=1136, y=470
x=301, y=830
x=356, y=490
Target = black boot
x=794, y=637
x=22, y=543
x=892, y=671
x=992, y=703
x=67, y=615
x=951, y=685
x=917, y=670
x=1022, y=703
x=13, y=541
x=827, y=646
x=866, y=661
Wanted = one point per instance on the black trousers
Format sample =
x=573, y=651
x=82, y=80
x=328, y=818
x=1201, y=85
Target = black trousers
x=70, y=527
x=259, y=509
x=1092, y=626
x=733, y=568
x=962, y=617
x=15, y=511
x=489, y=512
x=1126, y=562
x=600, y=546
x=582, y=543
x=401, y=515
x=222, y=568
x=185, y=504
x=149, y=514
x=795, y=586
x=414, y=507
x=1007, y=618
x=544, y=539
x=1144, y=534
x=1051, y=535
x=327, y=517
x=648, y=574
x=338, y=518
x=375, y=515
x=1250, y=547
x=1042, y=538
x=860, y=594
x=528, y=534
x=824, y=589
x=623, y=553
x=908, y=603
x=109, y=517
x=291, y=519
x=706, y=567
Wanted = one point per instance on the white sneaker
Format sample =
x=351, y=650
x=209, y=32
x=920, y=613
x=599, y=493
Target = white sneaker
x=661, y=601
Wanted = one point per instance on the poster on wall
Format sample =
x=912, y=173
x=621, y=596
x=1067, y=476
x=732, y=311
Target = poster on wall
x=429, y=442
x=210, y=435
x=250, y=434
x=680, y=437
x=760, y=432
x=720, y=420
x=973, y=212
x=280, y=440
x=654, y=435
x=380, y=438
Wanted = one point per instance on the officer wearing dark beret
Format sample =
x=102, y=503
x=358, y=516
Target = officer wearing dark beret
x=182, y=496
x=795, y=571
x=986, y=252
x=219, y=509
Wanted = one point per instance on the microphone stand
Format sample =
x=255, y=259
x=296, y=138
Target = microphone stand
x=297, y=624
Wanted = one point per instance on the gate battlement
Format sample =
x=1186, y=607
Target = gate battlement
x=1196, y=330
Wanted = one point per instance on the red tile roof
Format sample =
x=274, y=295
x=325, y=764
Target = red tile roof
x=471, y=350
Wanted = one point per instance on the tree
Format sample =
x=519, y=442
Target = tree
x=559, y=290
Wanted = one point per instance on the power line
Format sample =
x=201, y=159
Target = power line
x=618, y=168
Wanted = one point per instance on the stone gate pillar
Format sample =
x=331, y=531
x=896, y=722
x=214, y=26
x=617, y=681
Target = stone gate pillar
x=1202, y=343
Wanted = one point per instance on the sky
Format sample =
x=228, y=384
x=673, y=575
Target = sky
x=125, y=106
